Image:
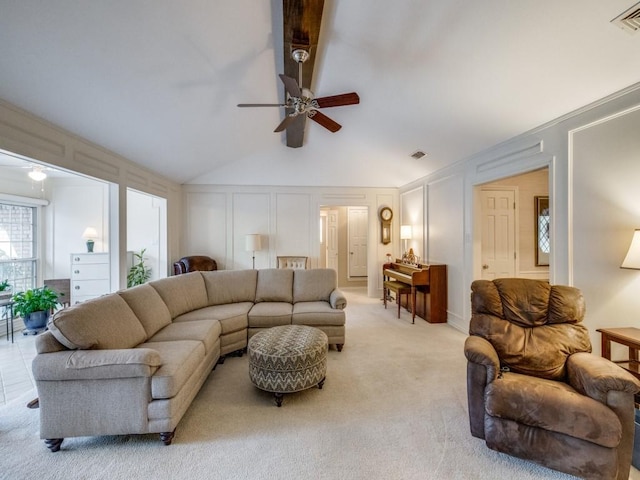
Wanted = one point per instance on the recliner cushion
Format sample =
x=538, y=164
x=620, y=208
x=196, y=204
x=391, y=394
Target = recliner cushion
x=553, y=406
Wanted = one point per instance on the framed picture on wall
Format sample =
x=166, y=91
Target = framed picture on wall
x=542, y=230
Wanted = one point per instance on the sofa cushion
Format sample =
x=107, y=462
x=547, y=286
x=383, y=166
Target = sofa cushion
x=275, y=285
x=205, y=331
x=232, y=317
x=182, y=293
x=103, y=323
x=316, y=313
x=552, y=406
x=180, y=358
x=312, y=285
x=148, y=306
x=230, y=286
x=270, y=314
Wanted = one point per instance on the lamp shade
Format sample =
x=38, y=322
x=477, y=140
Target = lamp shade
x=632, y=260
x=252, y=242
x=405, y=232
x=90, y=232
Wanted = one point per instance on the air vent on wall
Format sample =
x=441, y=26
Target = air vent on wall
x=629, y=20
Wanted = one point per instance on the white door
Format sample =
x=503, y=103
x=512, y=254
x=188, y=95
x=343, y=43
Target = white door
x=358, y=224
x=498, y=234
x=332, y=239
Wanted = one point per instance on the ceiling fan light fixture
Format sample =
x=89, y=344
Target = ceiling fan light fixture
x=300, y=55
x=36, y=174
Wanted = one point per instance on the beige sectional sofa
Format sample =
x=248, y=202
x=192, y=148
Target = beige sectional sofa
x=131, y=362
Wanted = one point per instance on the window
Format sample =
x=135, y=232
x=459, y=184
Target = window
x=18, y=246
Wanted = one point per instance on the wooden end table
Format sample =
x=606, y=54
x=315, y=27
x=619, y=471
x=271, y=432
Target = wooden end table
x=628, y=336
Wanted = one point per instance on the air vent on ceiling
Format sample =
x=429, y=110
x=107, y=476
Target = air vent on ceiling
x=418, y=154
x=629, y=20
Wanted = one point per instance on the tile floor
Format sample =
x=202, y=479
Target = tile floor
x=15, y=366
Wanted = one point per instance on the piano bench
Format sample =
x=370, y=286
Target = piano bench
x=399, y=289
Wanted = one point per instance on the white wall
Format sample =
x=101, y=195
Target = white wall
x=594, y=199
x=29, y=136
x=145, y=215
x=217, y=218
x=606, y=200
x=76, y=203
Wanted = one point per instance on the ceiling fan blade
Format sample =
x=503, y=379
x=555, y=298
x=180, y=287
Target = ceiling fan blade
x=290, y=85
x=288, y=120
x=323, y=120
x=338, y=100
x=262, y=105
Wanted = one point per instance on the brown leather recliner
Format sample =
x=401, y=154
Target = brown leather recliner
x=534, y=389
x=194, y=263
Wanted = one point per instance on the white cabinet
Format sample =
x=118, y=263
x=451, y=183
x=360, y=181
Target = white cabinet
x=89, y=276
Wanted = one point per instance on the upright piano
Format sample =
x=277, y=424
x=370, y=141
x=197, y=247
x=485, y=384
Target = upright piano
x=428, y=288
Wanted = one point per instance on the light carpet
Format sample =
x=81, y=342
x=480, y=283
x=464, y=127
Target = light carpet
x=393, y=407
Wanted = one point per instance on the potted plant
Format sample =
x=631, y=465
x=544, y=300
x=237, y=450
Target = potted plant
x=5, y=290
x=139, y=273
x=34, y=306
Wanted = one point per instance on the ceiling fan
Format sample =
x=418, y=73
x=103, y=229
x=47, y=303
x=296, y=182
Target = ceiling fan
x=300, y=101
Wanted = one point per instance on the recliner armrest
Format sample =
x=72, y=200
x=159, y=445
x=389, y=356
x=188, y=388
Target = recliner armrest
x=480, y=351
x=596, y=376
x=338, y=300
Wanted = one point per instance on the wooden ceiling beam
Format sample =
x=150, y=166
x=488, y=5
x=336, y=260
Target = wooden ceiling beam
x=301, y=30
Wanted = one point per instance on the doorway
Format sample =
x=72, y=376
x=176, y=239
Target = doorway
x=506, y=230
x=344, y=243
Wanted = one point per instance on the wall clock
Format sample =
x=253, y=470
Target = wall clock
x=386, y=214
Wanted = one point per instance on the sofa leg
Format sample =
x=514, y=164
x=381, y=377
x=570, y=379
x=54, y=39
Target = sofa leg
x=339, y=346
x=221, y=360
x=167, y=437
x=53, y=444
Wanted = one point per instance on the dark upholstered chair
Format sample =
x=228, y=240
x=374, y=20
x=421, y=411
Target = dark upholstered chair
x=194, y=263
x=534, y=389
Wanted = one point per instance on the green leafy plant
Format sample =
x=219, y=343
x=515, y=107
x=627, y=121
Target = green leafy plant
x=139, y=273
x=34, y=300
x=4, y=286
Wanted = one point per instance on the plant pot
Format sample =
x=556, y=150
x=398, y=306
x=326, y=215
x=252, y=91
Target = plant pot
x=5, y=295
x=36, y=322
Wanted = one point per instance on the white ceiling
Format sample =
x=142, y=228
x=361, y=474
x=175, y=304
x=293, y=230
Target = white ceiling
x=158, y=81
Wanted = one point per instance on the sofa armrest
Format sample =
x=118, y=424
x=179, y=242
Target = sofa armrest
x=596, y=376
x=338, y=300
x=96, y=364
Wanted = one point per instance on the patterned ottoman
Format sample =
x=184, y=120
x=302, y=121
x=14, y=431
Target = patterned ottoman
x=288, y=359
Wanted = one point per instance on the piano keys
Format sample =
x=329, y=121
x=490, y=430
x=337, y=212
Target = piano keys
x=428, y=284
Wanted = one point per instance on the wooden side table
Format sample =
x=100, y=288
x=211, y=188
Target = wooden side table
x=628, y=336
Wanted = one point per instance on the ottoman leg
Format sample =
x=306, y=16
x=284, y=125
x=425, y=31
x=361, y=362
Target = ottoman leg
x=321, y=383
x=279, y=397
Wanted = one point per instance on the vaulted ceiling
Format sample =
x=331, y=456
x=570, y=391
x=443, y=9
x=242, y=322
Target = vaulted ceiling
x=158, y=81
